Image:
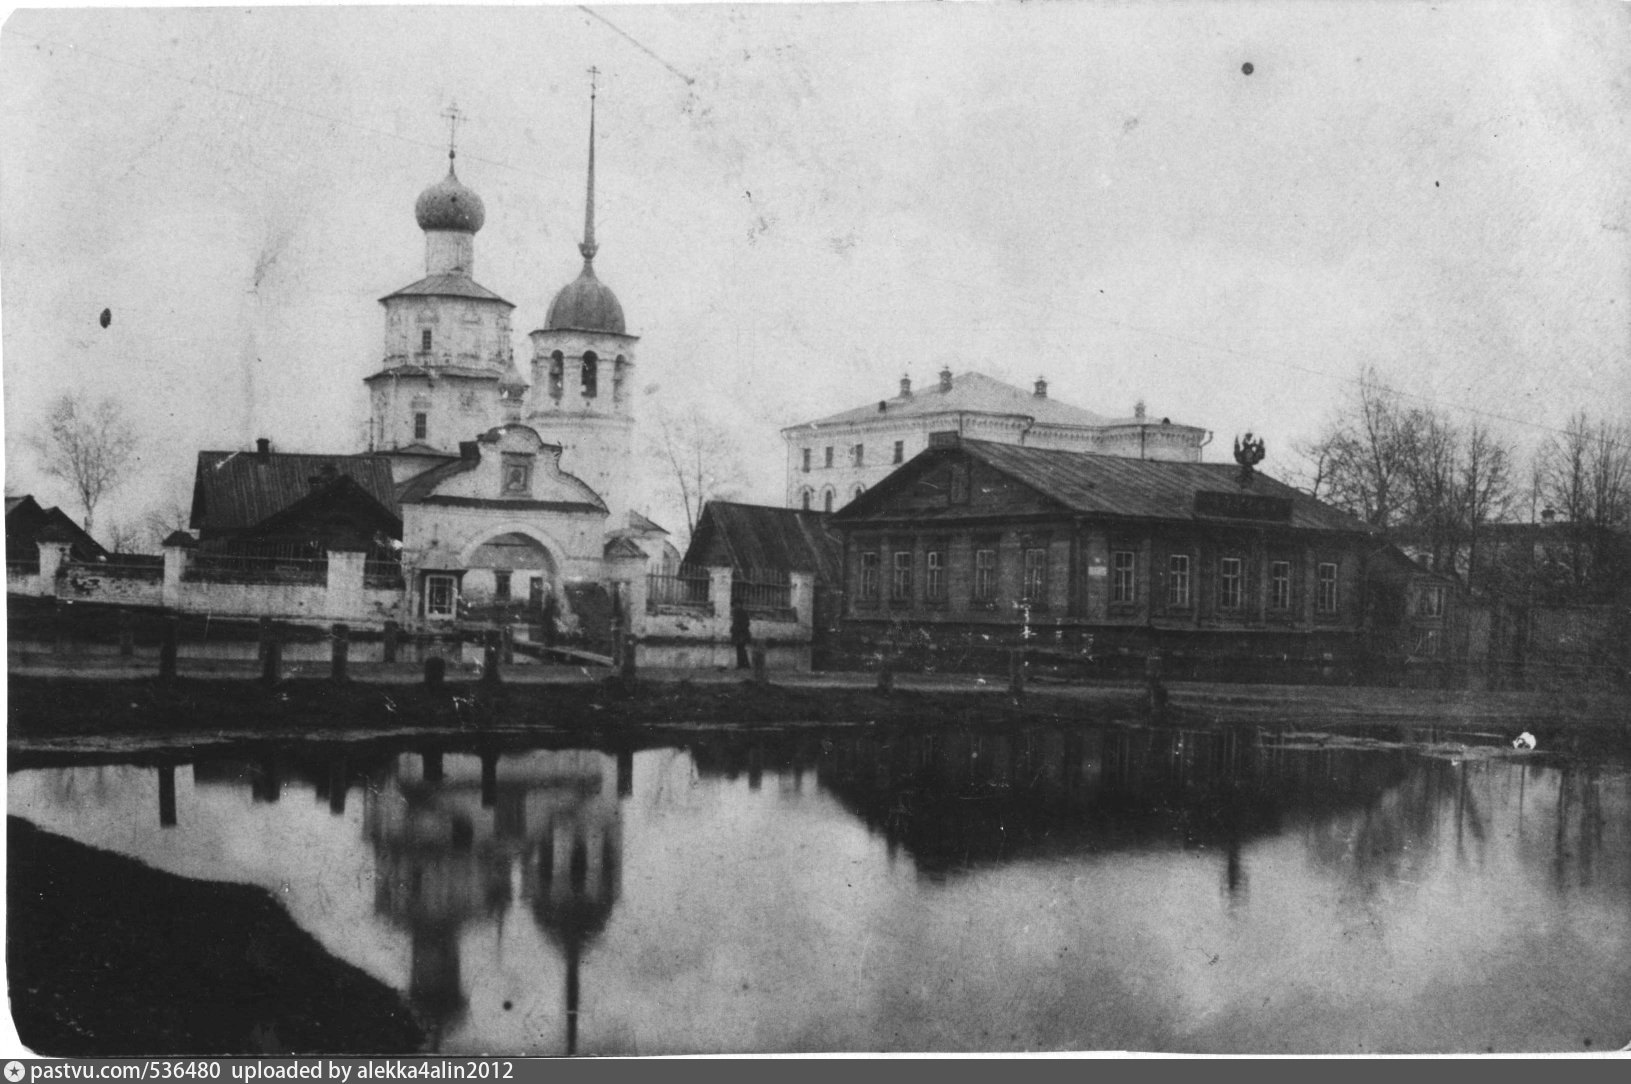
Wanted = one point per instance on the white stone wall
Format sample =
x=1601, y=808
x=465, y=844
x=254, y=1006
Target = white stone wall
x=472, y=332
x=595, y=432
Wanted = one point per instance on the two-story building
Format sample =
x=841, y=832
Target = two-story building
x=833, y=460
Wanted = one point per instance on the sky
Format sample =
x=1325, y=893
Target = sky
x=800, y=204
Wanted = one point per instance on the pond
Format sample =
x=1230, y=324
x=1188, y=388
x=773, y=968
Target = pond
x=1116, y=888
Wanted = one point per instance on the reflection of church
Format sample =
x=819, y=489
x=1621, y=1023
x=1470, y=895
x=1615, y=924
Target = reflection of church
x=458, y=841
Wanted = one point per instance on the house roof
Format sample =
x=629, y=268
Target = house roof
x=237, y=490
x=973, y=392
x=1113, y=486
x=438, y=372
x=761, y=536
x=27, y=523
x=448, y=286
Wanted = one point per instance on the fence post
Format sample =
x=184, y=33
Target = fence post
x=389, y=641
x=167, y=649
x=508, y=635
x=886, y=677
x=489, y=670
x=435, y=673
x=59, y=627
x=1016, y=671
x=626, y=661
x=759, y=675
x=271, y=662
x=342, y=652
x=127, y=634
x=264, y=631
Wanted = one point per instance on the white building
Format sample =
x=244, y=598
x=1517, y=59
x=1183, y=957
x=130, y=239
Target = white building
x=510, y=490
x=834, y=459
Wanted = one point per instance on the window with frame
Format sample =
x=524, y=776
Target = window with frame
x=934, y=576
x=900, y=451
x=806, y=466
x=1178, y=579
x=1279, y=585
x=900, y=577
x=421, y=425
x=501, y=586
x=806, y=497
x=1432, y=602
x=1122, y=584
x=985, y=575
x=424, y=339
x=1231, y=583
x=440, y=596
x=869, y=575
x=828, y=456
x=858, y=491
x=858, y=455
x=1036, y=574
x=826, y=501
x=1326, y=579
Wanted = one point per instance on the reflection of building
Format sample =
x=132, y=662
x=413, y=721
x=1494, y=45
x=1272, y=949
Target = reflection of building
x=456, y=838
x=833, y=460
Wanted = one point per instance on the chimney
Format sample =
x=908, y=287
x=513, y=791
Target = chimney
x=905, y=387
x=263, y=447
x=883, y=405
x=1138, y=411
x=1041, y=390
x=945, y=378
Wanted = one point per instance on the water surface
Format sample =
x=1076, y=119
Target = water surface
x=1090, y=889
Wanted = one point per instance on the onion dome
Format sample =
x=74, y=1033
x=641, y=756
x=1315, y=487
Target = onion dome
x=585, y=304
x=449, y=205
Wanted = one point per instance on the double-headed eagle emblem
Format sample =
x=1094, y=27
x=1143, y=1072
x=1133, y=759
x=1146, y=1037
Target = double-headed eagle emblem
x=1248, y=453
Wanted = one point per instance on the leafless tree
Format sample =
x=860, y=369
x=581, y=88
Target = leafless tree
x=699, y=457
x=1583, y=476
x=89, y=445
x=164, y=519
x=1362, y=457
x=123, y=537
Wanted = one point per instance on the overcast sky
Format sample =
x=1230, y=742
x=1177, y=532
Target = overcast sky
x=800, y=204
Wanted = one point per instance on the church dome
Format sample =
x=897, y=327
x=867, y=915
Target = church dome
x=585, y=304
x=449, y=205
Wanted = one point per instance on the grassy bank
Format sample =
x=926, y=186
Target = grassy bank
x=107, y=956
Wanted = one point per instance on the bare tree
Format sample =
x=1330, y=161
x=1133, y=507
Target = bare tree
x=123, y=537
x=164, y=519
x=89, y=445
x=1583, y=477
x=1361, y=459
x=700, y=458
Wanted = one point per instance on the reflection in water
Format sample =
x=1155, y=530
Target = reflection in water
x=1047, y=888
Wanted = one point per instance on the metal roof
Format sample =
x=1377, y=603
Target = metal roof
x=448, y=286
x=1112, y=486
x=975, y=393
x=762, y=536
x=237, y=490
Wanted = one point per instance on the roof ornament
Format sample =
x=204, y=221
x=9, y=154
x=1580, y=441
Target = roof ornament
x=589, y=248
x=1248, y=453
x=453, y=118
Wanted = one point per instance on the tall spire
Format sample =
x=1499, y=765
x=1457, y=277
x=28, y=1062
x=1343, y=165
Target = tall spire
x=589, y=248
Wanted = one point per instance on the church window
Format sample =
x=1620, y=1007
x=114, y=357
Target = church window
x=860, y=455
x=424, y=339
x=826, y=501
x=900, y=451
x=806, y=497
x=828, y=462
x=591, y=375
x=858, y=491
x=439, y=596
x=557, y=374
x=618, y=374
x=806, y=460
x=421, y=425
x=501, y=585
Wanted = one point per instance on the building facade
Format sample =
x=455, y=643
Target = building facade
x=832, y=460
x=974, y=547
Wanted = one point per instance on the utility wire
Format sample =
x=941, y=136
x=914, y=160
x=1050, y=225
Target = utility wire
x=779, y=237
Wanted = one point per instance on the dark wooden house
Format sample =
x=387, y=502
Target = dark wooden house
x=265, y=498
x=27, y=521
x=974, y=548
